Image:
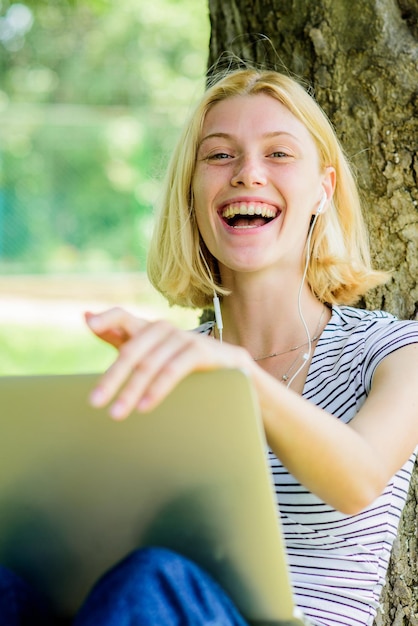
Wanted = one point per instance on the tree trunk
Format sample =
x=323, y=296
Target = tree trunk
x=361, y=58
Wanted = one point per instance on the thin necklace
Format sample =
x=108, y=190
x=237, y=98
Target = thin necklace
x=285, y=377
x=301, y=345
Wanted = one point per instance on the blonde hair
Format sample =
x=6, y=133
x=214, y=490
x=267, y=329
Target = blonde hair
x=179, y=264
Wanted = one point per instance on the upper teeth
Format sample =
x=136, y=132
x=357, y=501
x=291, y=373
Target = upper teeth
x=248, y=208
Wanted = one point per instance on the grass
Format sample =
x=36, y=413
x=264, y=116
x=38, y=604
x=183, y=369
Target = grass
x=41, y=329
x=31, y=350
x=39, y=349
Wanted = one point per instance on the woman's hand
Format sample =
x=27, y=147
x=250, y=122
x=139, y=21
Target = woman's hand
x=321, y=451
x=153, y=358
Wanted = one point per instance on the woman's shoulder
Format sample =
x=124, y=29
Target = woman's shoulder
x=351, y=347
x=371, y=326
x=344, y=315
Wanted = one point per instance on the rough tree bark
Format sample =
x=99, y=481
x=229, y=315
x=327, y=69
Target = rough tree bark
x=361, y=58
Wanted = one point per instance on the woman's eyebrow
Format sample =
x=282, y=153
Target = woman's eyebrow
x=212, y=135
x=268, y=135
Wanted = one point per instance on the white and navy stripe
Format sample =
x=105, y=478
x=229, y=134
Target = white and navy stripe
x=338, y=562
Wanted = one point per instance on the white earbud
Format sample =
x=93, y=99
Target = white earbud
x=321, y=207
x=218, y=315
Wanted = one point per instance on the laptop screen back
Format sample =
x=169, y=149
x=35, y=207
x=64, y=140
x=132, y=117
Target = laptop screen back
x=79, y=491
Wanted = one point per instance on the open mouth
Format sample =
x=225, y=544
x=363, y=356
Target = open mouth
x=248, y=214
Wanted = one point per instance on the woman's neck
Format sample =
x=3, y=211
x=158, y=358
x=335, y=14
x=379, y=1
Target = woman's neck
x=266, y=318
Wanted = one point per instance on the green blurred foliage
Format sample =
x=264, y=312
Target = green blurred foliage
x=92, y=95
x=41, y=350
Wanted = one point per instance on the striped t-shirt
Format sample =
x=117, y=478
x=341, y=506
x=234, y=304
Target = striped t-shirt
x=338, y=562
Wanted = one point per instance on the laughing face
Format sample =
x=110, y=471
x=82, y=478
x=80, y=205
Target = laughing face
x=256, y=185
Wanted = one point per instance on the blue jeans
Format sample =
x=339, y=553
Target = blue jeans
x=150, y=587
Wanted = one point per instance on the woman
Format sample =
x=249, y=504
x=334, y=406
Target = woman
x=261, y=208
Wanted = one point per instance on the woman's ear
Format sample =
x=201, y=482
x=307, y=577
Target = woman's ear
x=328, y=186
x=329, y=181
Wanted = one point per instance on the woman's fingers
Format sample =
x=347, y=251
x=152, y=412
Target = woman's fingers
x=115, y=326
x=153, y=362
x=162, y=365
x=196, y=353
x=140, y=356
x=171, y=372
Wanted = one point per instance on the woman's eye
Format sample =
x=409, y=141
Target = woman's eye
x=218, y=156
x=279, y=154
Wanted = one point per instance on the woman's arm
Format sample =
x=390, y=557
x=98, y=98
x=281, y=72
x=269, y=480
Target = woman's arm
x=347, y=466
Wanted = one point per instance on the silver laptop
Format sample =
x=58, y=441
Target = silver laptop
x=79, y=491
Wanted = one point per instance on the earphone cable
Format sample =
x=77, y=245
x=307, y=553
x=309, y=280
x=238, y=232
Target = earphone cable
x=308, y=353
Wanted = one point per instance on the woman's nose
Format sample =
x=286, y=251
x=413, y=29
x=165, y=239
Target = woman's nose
x=249, y=173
